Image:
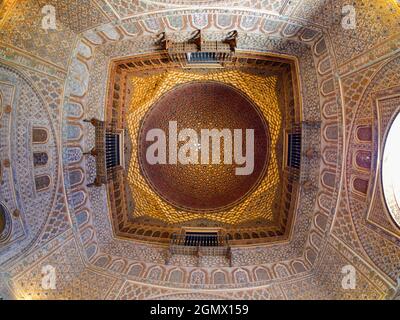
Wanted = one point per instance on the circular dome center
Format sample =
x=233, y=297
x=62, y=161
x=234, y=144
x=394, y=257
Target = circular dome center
x=203, y=146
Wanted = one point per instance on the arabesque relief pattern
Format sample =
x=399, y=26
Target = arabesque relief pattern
x=53, y=79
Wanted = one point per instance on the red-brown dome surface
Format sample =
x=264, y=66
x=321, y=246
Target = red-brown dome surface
x=204, y=187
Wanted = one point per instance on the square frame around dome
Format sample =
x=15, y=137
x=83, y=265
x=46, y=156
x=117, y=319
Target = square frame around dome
x=133, y=219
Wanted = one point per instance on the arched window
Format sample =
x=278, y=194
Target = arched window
x=5, y=224
x=40, y=158
x=42, y=182
x=39, y=135
x=1, y=105
x=2, y=220
x=391, y=171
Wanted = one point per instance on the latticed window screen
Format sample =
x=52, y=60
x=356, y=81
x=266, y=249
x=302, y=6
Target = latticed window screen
x=201, y=239
x=206, y=243
x=40, y=158
x=294, y=150
x=112, y=150
x=202, y=57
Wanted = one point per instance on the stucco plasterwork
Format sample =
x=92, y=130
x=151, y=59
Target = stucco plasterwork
x=348, y=80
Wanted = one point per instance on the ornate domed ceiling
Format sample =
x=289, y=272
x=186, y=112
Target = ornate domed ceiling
x=198, y=191
x=182, y=175
x=82, y=83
